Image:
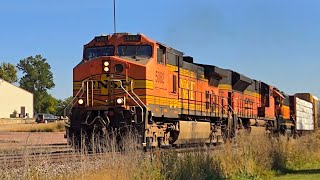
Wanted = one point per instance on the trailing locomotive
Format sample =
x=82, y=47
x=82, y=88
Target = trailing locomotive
x=129, y=82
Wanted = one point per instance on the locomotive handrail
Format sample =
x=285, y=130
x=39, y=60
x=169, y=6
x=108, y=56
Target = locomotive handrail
x=130, y=97
x=137, y=96
x=231, y=108
x=71, y=102
x=87, y=91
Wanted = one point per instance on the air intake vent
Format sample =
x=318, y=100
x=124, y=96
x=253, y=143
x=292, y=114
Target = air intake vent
x=240, y=82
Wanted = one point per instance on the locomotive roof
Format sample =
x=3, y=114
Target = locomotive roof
x=190, y=65
x=180, y=53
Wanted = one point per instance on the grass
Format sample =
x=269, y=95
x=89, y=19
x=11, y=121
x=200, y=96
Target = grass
x=58, y=126
x=248, y=157
x=298, y=176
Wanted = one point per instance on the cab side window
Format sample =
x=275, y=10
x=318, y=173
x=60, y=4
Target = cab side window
x=161, y=55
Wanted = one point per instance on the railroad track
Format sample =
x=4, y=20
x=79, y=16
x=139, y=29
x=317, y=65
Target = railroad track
x=16, y=157
x=36, y=149
x=59, y=153
x=62, y=153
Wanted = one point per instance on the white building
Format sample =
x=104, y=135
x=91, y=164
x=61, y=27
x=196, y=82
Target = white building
x=15, y=101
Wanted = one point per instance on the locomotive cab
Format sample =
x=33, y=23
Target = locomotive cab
x=106, y=63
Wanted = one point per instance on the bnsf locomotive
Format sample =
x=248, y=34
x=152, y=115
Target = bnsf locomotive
x=131, y=82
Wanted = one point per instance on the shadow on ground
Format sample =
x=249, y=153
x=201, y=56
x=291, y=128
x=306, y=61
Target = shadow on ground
x=304, y=171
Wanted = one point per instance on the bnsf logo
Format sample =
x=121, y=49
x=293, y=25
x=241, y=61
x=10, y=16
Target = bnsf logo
x=105, y=84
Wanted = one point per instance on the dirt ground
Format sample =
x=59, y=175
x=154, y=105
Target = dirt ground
x=17, y=140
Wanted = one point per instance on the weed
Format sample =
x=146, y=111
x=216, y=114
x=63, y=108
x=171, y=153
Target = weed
x=247, y=157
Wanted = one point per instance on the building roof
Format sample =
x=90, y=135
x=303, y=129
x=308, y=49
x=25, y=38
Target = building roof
x=2, y=80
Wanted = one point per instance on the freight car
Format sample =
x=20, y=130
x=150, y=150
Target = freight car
x=129, y=82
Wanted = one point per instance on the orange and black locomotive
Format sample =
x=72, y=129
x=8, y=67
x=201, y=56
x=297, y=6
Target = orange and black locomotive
x=131, y=82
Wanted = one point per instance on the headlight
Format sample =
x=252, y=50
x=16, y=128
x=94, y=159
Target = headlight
x=105, y=66
x=80, y=101
x=120, y=100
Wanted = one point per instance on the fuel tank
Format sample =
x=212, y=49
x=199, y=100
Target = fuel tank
x=191, y=132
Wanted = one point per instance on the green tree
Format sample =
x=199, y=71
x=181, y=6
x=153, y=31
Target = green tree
x=37, y=74
x=62, y=104
x=8, y=72
x=38, y=79
x=50, y=104
x=45, y=102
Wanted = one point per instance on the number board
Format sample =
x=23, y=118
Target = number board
x=101, y=38
x=132, y=38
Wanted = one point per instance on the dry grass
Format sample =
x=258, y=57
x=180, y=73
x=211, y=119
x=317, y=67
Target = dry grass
x=58, y=126
x=248, y=157
x=296, y=154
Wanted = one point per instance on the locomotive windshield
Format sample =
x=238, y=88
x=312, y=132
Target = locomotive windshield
x=99, y=51
x=144, y=51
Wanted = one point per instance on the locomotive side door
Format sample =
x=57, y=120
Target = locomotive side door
x=161, y=82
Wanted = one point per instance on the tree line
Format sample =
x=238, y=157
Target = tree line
x=37, y=78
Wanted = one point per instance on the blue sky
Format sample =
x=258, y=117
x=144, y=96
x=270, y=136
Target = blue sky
x=276, y=41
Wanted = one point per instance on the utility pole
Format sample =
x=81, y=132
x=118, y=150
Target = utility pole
x=114, y=16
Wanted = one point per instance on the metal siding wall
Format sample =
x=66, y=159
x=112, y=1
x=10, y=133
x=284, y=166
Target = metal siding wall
x=304, y=113
x=12, y=98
